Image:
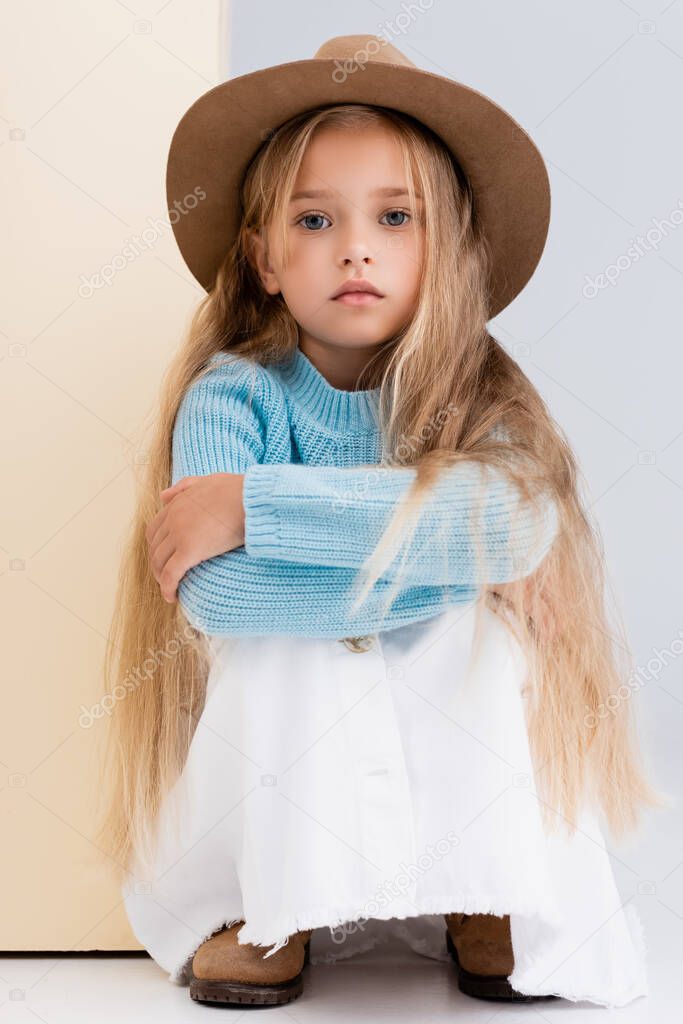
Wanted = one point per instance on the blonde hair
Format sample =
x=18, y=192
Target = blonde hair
x=443, y=359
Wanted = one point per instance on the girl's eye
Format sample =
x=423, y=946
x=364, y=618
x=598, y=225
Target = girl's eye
x=313, y=216
x=402, y=213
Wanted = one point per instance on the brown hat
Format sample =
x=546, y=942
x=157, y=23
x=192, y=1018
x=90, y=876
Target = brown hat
x=220, y=133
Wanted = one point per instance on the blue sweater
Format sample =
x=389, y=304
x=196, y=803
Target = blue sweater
x=316, y=504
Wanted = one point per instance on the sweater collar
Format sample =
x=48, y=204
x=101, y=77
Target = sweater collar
x=332, y=407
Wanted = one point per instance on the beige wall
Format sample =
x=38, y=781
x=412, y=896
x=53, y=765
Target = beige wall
x=92, y=94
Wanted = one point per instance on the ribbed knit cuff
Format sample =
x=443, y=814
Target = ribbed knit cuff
x=261, y=520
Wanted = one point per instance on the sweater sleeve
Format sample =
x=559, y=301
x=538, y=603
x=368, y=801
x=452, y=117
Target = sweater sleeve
x=474, y=528
x=224, y=423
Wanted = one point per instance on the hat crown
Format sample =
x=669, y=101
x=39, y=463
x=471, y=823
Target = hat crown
x=361, y=49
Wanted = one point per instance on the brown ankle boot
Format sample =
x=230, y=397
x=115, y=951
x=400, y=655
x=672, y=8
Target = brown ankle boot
x=481, y=947
x=223, y=971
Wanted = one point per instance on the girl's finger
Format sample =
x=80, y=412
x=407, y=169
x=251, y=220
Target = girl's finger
x=180, y=485
x=160, y=554
x=173, y=572
x=154, y=526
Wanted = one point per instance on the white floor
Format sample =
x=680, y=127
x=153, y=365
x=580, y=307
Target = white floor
x=368, y=988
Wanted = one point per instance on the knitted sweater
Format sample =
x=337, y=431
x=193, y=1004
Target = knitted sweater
x=316, y=503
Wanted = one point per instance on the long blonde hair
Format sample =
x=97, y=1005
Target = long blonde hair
x=443, y=359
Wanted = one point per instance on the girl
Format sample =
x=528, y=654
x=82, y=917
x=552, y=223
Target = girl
x=375, y=597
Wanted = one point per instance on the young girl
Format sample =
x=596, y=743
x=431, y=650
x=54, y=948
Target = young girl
x=376, y=604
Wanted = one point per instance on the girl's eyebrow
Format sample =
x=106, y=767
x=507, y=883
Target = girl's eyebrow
x=322, y=193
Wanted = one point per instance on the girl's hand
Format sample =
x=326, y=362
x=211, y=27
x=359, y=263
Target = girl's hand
x=203, y=516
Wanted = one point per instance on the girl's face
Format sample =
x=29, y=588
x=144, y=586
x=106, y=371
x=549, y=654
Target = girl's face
x=349, y=219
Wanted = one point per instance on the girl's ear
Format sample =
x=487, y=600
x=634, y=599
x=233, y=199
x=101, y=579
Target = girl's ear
x=258, y=257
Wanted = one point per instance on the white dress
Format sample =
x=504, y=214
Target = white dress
x=364, y=789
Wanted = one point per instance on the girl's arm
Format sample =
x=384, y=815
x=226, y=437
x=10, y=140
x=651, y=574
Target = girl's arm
x=226, y=422
x=237, y=593
x=334, y=516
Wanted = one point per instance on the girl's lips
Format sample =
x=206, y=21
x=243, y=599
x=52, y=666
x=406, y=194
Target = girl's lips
x=358, y=298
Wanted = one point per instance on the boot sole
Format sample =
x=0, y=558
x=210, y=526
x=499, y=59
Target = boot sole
x=488, y=986
x=233, y=993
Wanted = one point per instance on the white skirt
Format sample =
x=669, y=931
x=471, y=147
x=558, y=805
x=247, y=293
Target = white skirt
x=367, y=789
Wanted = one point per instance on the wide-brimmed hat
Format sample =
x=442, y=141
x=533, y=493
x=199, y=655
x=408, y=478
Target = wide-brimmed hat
x=218, y=136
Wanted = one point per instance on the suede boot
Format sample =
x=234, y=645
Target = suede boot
x=481, y=947
x=223, y=971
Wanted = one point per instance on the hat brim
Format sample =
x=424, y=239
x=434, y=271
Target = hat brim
x=219, y=134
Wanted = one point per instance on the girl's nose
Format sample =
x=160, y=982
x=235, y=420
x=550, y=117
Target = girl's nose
x=359, y=261
x=355, y=244
x=357, y=253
